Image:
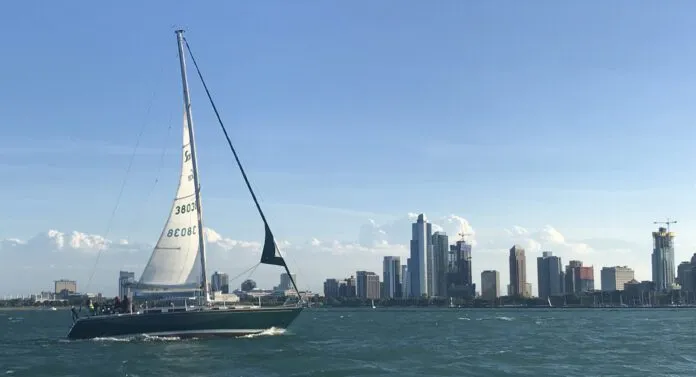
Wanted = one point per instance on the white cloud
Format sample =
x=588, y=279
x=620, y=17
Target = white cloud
x=54, y=255
x=398, y=232
x=456, y=227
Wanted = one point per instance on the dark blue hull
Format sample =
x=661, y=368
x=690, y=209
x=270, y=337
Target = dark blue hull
x=192, y=323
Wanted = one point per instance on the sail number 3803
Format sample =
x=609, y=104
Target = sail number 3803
x=182, y=232
x=184, y=208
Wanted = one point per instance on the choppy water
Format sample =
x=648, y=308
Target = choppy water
x=382, y=342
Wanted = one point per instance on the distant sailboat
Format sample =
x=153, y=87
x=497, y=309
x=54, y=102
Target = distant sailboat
x=373, y=304
x=173, y=263
x=549, y=301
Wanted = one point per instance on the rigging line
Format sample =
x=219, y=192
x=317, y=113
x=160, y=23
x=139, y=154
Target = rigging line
x=297, y=267
x=239, y=163
x=139, y=218
x=227, y=136
x=125, y=179
x=252, y=269
x=165, y=148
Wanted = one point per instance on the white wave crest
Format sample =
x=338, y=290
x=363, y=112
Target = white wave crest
x=273, y=331
x=137, y=338
x=110, y=339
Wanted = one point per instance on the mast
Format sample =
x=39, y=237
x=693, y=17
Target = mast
x=196, y=182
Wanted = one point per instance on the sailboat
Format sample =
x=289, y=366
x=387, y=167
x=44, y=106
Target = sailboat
x=178, y=263
x=373, y=304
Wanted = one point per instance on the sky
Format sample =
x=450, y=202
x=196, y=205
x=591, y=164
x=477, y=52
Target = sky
x=559, y=126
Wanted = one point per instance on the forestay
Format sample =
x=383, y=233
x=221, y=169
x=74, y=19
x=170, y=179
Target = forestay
x=176, y=252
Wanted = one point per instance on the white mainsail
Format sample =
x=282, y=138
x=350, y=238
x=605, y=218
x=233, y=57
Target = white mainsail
x=176, y=252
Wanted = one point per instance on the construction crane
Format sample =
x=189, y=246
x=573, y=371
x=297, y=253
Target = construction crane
x=463, y=235
x=668, y=222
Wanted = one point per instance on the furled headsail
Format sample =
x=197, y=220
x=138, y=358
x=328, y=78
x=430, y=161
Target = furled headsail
x=269, y=255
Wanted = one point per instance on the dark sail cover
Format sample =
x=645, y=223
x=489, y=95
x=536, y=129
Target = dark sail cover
x=269, y=250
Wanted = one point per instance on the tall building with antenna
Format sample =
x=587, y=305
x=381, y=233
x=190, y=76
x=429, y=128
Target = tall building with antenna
x=663, y=268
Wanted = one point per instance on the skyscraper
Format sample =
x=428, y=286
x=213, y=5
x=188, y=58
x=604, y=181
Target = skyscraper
x=459, y=277
x=440, y=259
x=549, y=275
x=663, y=259
x=347, y=288
x=572, y=275
x=391, y=268
x=220, y=282
x=490, y=285
x=685, y=276
x=518, y=271
x=65, y=287
x=614, y=278
x=331, y=288
x=587, y=279
x=421, y=253
x=367, y=285
x=405, y=280
x=286, y=283
x=578, y=278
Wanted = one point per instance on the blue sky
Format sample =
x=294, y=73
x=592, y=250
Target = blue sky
x=577, y=116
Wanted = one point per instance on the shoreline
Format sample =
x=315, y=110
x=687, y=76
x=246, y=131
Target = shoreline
x=507, y=307
x=67, y=308
x=30, y=308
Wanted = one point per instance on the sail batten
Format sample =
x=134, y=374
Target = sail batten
x=174, y=256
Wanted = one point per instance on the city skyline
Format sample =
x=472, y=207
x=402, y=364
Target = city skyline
x=223, y=250
x=532, y=128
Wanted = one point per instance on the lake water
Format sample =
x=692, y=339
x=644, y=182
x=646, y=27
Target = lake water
x=381, y=342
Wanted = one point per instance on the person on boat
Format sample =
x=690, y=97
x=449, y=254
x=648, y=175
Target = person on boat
x=117, y=304
x=90, y=305
x=125, y=304
x=74, y=313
